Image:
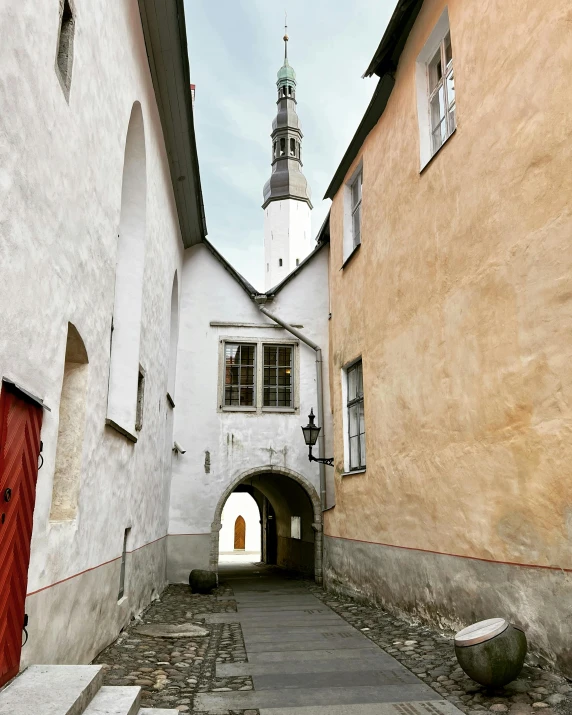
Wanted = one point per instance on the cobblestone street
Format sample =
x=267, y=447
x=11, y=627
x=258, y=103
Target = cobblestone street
x=172, y=672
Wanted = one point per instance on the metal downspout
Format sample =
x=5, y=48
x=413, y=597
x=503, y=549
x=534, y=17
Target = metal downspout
x=319, y=389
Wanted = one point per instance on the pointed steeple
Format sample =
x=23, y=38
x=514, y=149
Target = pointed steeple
x=287, y=180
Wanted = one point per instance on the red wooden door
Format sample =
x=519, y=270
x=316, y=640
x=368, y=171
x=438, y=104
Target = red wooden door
x=20, y=424
x=239, y=533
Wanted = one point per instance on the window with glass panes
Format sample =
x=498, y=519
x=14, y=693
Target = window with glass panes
x=356, y=423
x=240, y=371
x=356, y=209
x=442, y=94
x=278, y=376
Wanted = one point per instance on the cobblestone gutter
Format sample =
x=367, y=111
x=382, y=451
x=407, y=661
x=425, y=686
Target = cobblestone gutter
x=429, y=653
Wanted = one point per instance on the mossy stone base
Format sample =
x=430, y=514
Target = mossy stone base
x=494, y=662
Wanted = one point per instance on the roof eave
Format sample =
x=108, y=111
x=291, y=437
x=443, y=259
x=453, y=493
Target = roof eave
x=165, y=35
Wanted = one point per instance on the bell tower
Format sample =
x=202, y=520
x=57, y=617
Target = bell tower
x=287, y=205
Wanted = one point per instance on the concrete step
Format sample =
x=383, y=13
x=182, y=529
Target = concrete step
x=111, y=700
x=52, y=690
x=154, y=711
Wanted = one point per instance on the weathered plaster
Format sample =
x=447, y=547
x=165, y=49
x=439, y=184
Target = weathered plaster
x=239, y=443
x=60, y=192
x=459, y=303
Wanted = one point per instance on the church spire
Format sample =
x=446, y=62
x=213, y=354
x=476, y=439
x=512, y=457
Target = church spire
x=287, y=179
x=287, y=206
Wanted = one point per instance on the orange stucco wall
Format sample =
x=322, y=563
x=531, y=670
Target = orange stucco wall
x=460, y=301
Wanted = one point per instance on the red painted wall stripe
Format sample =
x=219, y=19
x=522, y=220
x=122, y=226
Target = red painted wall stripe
x=456, y=556
x=93, y=568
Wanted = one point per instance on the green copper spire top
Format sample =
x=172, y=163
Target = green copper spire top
x=286, y=73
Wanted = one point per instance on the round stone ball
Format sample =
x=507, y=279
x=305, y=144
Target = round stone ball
x=202, y=581
x=491, y=652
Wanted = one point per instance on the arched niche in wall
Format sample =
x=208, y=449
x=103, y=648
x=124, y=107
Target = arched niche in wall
x=71, y=427
x=173, y=338
x=126, y=330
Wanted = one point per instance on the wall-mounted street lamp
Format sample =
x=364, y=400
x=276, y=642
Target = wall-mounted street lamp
x=311, y=432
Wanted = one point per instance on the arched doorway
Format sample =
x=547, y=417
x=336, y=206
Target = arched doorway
x=239, y=534
x=291, y=518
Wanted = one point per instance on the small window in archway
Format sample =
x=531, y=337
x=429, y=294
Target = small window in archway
x=280, y=262
x=297, y=261
x=296, y=527
x=290, y=91
x=140, y=399
x=282, y=146
x=292, y=147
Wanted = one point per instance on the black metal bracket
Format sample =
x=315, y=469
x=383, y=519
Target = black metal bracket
x=329, y=461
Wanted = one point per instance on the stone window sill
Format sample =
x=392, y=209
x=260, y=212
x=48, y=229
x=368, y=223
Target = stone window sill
x=349, y=258
x=118, y=428
x=354, y=473
x=430, y=161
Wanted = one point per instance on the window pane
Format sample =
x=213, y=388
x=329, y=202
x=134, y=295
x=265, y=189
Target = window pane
x=246, y=376
x=437, y=108
x=452, y=118
x=435, y=71
x=284, y=397
x=356, y=192
x=354, y=452
x=356, y=225
x=247, y=354
x=269, y=376
x=232, y=375
x=246, y=396
x=231, y=396
x=359, y=378
x=362, y=450
x=361, y=417
x=352, y=384
x=270, y=354
x=451, y=89
x=439, y=135
x=354, y=420
x=269, y=397
x=285, y=356
x=448, y=50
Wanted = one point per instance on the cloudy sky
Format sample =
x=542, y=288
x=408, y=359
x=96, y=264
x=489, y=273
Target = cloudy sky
x=235, y=51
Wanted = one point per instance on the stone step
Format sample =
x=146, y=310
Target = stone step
x=154, y=711
x=112, y=700
x=52, y=690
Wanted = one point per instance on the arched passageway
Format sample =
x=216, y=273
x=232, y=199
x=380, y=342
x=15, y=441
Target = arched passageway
x=290, y=517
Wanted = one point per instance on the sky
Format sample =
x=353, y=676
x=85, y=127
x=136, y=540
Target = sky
x=235, y=51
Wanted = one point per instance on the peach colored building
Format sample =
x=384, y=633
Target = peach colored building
x=451, y=330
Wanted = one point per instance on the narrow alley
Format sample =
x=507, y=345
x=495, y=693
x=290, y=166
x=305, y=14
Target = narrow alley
x=279, y=645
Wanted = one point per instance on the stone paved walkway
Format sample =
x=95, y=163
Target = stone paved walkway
x=306, y=647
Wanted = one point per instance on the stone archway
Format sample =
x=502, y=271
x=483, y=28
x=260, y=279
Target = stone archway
x=306, y=485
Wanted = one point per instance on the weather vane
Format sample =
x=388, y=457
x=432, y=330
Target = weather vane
x=285, y=35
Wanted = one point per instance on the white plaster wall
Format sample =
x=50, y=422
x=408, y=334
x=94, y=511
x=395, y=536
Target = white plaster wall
x=237, y=441
x=240, y=504
x=287, y=235
x=60, y=193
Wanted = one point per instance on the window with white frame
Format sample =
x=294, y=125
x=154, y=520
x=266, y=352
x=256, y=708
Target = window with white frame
x=240, y=374
x=352, y=212
x=356, y=209
x=355, y=416
x=278, y=376
x=258, y=376
x=441, y=94
x=435, y=80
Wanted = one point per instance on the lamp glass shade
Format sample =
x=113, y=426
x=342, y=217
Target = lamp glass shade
x=311, y=433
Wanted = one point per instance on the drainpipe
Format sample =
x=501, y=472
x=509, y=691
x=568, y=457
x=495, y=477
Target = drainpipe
x=260, y=300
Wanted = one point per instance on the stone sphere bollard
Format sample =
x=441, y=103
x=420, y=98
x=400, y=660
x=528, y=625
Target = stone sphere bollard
x=491, y=652
x=202, y=581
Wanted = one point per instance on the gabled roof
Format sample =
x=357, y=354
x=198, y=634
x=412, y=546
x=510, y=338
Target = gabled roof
x=165, y=35
x=383, y=64
x=322, y=239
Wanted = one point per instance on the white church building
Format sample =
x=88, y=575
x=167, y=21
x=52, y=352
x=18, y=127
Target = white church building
x=143, y=379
